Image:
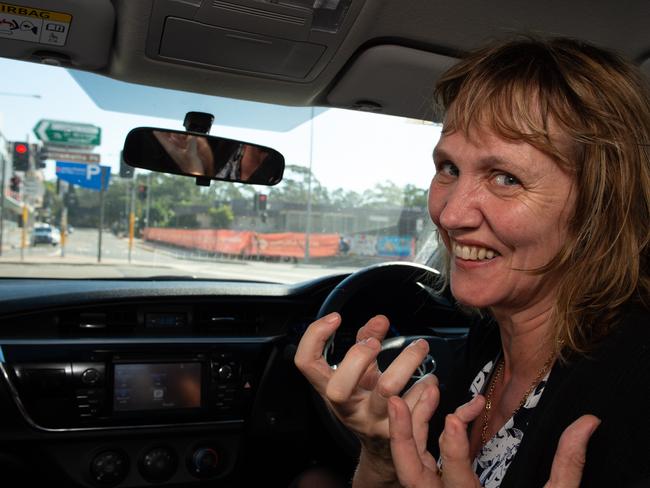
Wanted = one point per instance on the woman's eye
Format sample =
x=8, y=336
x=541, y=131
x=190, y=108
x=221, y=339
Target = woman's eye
x=448, y=168
x=505, y=179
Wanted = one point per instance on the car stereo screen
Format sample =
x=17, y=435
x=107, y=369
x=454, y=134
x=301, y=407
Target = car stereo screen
x=156, y=386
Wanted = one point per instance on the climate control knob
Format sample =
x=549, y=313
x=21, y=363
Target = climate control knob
x=158, y=464
x=109, y=468
x=205, y=462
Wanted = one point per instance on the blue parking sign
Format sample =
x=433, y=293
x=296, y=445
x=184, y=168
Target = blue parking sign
x=92, y=176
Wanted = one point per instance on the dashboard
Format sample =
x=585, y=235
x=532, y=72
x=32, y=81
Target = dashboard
x=174, y=383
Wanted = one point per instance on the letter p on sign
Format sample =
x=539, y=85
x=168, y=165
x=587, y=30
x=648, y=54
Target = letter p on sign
x=92, y=170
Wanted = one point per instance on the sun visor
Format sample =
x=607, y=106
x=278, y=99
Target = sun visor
x=119, y=96
x=393, y=80
x=73, y=33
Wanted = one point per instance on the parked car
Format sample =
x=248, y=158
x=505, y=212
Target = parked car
x=46, y=234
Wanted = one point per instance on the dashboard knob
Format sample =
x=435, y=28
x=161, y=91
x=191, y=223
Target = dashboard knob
x=158, y=464
x=90, y=376
x=109, y=467
x=225, y=372
x=204, y=462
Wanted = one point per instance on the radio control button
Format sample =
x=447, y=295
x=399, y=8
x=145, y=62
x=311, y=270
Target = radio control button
x=88, y=374
x=90, y=377
x=225, y=372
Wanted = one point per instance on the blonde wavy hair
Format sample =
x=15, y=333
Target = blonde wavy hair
x=600, y=105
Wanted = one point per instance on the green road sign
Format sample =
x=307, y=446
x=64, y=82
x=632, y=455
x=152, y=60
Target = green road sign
x=69, y=133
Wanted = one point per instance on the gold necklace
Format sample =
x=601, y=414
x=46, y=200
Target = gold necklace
x=496, y=377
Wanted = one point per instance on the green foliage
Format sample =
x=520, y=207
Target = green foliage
x=187, y=221
x=177, y=201
x=221, y=217
x=295, y=187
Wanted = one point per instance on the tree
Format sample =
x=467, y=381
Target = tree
x=415, y=197
x=295, y=187
x=386, y=194
x=221, y=217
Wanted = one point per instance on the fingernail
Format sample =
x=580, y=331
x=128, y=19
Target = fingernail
x=331, y=318
x=414, y=343
x=595, y=426
x=371, y=342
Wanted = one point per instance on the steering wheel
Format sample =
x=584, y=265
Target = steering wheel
x=403, y=292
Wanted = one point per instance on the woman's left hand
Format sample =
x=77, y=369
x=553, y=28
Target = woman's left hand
x=416, y=467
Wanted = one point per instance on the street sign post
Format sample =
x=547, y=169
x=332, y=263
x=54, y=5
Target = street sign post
x=48, y=152
x=68, y=133
x=85, y=175
x=93, y=177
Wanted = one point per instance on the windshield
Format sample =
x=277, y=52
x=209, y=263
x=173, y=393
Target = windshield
x=354, y=190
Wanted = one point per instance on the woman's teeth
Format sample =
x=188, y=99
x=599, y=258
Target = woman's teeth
x=473, y=253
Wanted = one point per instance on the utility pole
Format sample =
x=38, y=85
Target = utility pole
x=2, y=204
x=146, y=215
x=132, y=218
x=311, y=158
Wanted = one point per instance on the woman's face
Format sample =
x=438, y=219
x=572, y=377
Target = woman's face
x=501, y=207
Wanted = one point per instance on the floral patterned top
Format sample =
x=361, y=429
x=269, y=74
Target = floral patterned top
x=497, y=454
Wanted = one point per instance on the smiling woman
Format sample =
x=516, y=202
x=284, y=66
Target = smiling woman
x=498, y=217
x=541, y=199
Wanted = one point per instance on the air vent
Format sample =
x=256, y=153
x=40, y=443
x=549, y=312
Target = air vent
x=264, y=14
x=227, y=320
x=98, y=322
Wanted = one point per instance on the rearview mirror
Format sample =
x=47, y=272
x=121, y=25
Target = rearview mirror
x=200, y=155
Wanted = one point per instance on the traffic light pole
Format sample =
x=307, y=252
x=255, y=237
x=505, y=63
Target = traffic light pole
x=23, y=234
x=146, y=215
x=101, y=218
x=132, y=218
x=64, y=228
x=2, y=204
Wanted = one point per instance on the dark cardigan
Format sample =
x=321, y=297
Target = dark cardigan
x=613, y=383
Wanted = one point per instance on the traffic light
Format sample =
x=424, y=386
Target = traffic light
x=20, y=153
x=126, y=171
x=14, y=184
x=142, y=192
x=261, y=202
x=70, y=197
x=40, y=162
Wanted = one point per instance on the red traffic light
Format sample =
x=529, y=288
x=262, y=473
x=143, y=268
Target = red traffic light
x=20, y=155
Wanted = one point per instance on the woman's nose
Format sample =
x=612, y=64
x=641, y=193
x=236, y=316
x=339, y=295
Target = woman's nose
x=461, y=208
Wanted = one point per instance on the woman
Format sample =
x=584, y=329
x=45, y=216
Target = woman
x=542, y=200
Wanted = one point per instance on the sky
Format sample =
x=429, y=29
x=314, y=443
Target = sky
x=352, y=150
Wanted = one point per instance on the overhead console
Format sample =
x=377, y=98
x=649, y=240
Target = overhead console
x=287, y=39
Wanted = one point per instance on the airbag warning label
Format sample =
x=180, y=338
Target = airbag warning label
x=34, y=25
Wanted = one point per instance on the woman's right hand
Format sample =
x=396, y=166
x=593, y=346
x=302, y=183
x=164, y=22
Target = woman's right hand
x=357, y=391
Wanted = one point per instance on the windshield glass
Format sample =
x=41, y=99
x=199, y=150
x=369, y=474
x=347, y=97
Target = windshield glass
x=354, y=190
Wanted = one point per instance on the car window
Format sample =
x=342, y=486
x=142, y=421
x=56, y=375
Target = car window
x=354, y=190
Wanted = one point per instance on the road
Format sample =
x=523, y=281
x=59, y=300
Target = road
x=147, y=260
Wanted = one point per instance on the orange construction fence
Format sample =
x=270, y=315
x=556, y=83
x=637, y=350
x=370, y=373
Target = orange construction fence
x=247, y=243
